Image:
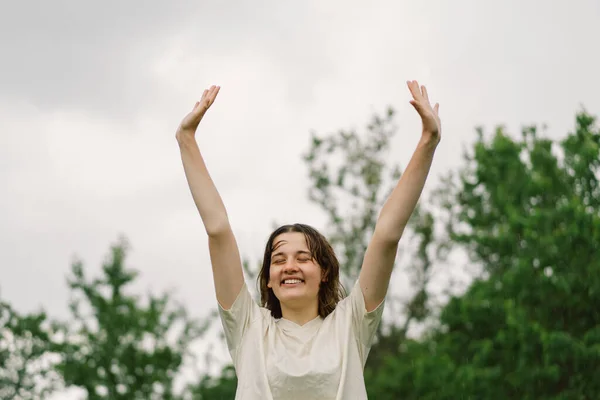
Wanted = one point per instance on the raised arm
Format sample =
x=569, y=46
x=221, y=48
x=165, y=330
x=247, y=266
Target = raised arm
x=224, y=253
x=381, y=253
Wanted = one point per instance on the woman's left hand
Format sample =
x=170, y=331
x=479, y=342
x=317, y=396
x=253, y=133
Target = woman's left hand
x=432, y=127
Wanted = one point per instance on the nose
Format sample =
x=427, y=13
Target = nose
x=290, y=266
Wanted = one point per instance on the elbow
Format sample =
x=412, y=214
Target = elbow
x=217, y=228
x=388, y=235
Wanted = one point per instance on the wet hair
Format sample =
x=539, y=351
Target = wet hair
x=331, y=290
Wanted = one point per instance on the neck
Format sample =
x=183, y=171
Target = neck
x=299, y=315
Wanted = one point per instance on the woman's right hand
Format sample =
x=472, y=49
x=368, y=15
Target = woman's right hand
x=190, y=122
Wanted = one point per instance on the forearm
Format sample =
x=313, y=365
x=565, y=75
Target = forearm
x=400, y=205
x=204, y=192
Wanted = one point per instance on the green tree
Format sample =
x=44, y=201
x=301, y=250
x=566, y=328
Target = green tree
x=25, y=368
x=118, y=347
x=526, y=211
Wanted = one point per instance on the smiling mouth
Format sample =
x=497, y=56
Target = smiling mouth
x=291, y=281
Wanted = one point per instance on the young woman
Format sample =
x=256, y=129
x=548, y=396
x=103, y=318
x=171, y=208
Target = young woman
x=306, y=340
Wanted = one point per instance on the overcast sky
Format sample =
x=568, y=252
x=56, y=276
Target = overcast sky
x=91, y=95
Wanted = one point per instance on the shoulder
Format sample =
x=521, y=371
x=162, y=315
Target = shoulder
x=245, y=317
x=354, y=305
x=245, y=310
x=345, y=306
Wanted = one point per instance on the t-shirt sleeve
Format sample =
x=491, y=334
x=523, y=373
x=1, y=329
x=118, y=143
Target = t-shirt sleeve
x=364, y=323
x=237, y=319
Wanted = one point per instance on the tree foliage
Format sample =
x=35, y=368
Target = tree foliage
x=118, y=347
x=25, y=351
x=346, y=168
x=526, y=210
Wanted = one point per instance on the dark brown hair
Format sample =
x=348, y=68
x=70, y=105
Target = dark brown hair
x=330, y=291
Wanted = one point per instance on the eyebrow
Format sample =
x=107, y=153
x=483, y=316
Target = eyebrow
x=297, y=253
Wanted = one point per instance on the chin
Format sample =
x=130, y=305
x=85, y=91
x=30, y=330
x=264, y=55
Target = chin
x=295, y=293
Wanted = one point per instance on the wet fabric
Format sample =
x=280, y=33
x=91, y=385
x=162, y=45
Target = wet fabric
x=279, y=359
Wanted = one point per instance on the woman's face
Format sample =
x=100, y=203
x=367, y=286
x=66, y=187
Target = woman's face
x=295, y=276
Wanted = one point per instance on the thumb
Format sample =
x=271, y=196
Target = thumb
x=199, y=110
x=416, y=105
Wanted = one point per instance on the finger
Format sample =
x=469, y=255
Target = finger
x=436, y=108
x=410, y=88
x=213, y=94
x=413, y=86
x=216, y=92
x=424, y=92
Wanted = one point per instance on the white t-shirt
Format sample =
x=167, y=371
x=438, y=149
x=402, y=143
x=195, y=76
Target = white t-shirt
x=277, y=359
